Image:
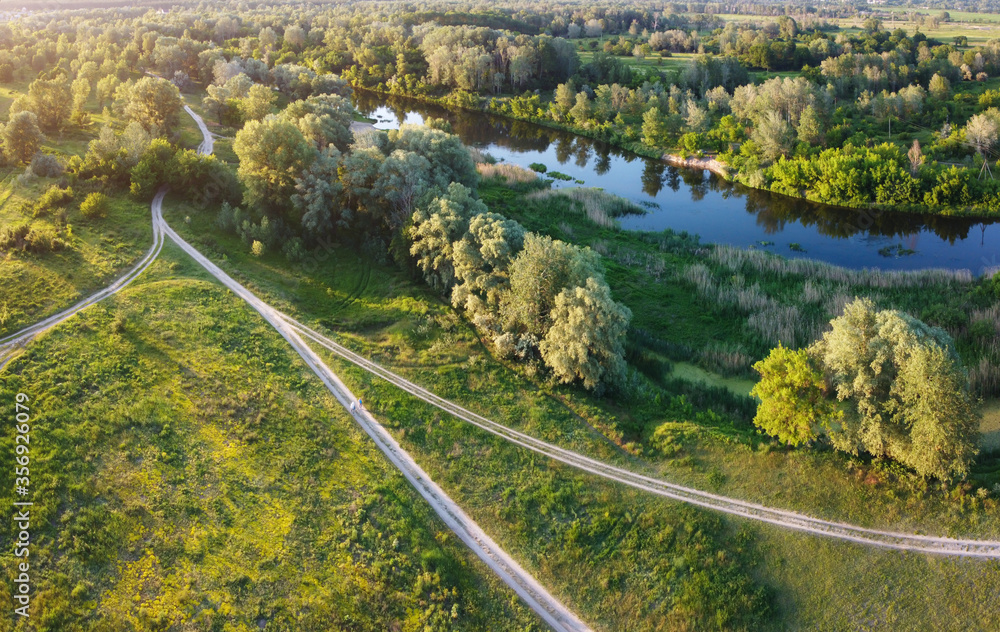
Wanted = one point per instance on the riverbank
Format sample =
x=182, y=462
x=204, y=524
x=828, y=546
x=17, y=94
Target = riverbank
x=628, y=140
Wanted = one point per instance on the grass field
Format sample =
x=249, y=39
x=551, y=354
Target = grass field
x=379, y=312
x=97, y=251
x=190, y=473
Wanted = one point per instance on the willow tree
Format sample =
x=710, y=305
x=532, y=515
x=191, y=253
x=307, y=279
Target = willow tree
x=906, y=391
x=586, y=339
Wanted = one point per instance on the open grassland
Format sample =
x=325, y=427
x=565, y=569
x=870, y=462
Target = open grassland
x=95, y=251
x=577, y=534
x=189, y=472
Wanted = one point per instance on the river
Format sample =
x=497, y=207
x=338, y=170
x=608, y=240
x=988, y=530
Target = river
x=704, y=204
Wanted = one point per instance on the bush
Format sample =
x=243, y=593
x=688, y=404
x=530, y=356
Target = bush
x=46, y=166
x=257, y=248
x=94, y=206
x=539, y=167
x=42, y=238
x=54, y=197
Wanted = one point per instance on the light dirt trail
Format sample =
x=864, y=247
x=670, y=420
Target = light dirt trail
x=783, y=518
x=527, y=587
x=10, y=343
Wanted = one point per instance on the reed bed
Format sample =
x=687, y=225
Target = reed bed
x=771, y=320
x=600, y=207
x=511, y=174
x=738, y=259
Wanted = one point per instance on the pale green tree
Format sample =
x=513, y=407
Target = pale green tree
x=272, y=154
x=939, y=87
x=543, y=269
x=587, y=336
x=773, y=136
x=436, y=228
x=152, y=102
x=22, y=136
x=482, y=259
x=908, y=395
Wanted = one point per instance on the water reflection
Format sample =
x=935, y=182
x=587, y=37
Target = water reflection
x=699, y=202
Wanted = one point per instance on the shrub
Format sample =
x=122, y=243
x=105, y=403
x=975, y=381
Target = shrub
x=94, y=206
x=47, y=166
x=257, y=248
x=54, y=197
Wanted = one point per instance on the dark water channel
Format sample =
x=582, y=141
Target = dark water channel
x=704, y=204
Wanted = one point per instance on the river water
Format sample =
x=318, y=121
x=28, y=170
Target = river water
x=701, y=203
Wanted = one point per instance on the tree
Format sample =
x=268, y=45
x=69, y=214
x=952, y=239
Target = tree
x=323, y=119
x=773, y=136
x=654, y=128
x=482, y=259
x=152, y=102
x=585, y=341
x=272, y=154
x=81, y=92
x=449, y=159
x=105, y=91
x=916, y=156
x=939, y=87
x=317, y=196
x=52, y=101
x=581, y=110
x=793, y=398
x=543, y=269
x=908, y=395
x=403, y=177
x=258, y=103
x=22, y=137
x=810, y=126
x=295, y=36
x=436, y=228
x=981, y=131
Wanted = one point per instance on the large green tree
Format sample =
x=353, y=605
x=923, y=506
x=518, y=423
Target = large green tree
x=586, y=339
x=907, y=393
x=22, y=137
x=273, y=154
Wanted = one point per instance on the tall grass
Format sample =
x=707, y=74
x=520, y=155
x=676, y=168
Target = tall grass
x=771, y=320
x=599, y=206
x=737, y=259
x=511, y=174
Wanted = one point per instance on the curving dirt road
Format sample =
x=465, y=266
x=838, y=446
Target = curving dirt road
x=526, y=586
x=10, y=344
x=553, y=612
